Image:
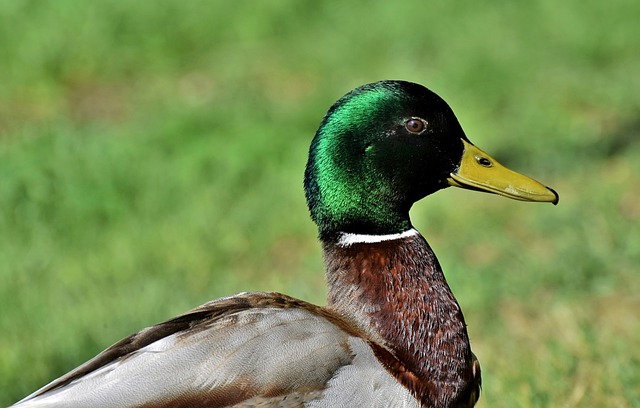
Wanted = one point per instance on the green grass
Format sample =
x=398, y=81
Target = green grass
x=151, y=159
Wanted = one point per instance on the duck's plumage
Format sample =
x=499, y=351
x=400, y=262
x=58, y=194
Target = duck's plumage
x=247, y=349
x=392, y=333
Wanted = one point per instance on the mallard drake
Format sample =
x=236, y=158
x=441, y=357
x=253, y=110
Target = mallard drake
x=391, y=335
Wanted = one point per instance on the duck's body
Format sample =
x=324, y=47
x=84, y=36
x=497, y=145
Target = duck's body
x=252, y=349
x=392, y=333
x=378, y=343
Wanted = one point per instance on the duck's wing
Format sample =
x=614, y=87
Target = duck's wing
x=253, y=349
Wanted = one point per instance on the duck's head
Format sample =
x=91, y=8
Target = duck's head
x=384, y=146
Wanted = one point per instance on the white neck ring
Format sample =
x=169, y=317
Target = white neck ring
x=348, y=239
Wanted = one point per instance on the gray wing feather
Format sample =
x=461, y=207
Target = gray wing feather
x=252, y=349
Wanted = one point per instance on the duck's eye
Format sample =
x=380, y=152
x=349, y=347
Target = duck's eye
x=415, y=125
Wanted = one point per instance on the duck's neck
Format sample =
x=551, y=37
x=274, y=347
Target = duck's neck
x=393, y=288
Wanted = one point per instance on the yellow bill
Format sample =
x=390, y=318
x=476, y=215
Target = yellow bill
x=479, y=171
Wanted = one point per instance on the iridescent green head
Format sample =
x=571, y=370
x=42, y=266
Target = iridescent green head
x=379, y=149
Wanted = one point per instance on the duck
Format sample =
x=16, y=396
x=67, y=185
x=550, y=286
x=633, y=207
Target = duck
x=391, y=334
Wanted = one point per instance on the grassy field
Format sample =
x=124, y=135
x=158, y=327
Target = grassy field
x=151, y=159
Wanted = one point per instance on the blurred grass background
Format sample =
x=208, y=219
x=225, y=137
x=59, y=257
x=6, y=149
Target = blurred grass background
x=151, y=159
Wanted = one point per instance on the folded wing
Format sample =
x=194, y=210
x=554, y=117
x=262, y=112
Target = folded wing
x=246, y=350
